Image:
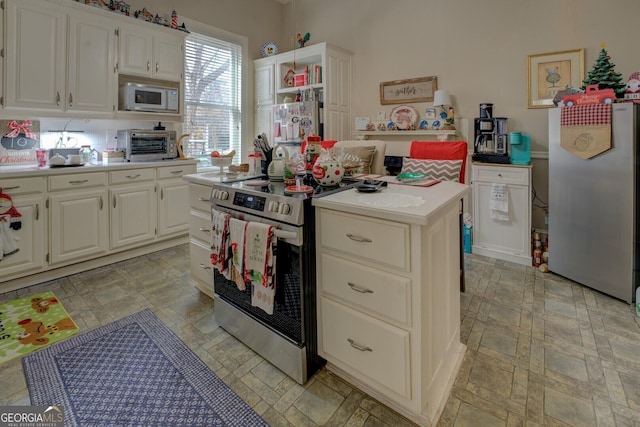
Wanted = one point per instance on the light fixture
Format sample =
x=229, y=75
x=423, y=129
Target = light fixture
x=64, y=138
x=442, y=101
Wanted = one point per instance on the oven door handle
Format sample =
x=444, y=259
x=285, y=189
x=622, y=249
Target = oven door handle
x=281, y=234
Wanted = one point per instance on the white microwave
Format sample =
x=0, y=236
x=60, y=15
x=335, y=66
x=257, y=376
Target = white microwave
x=146, y=97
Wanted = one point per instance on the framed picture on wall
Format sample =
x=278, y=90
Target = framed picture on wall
x=548, y=73
x=420, y=89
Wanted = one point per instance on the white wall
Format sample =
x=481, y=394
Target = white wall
x=477, y=49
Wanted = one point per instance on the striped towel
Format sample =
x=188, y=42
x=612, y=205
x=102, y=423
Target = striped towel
x=220, y=241
x=236, y=238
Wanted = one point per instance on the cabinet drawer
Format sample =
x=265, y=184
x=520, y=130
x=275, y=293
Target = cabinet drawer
x=372, y=291
x=200, y=263
x=200, y=226
x=360, y=343
x=80, y=180
x=175, y=171
x=199, y=197
x=16, y=186
x=133, y=175
x=501, y=175
x=383, y=242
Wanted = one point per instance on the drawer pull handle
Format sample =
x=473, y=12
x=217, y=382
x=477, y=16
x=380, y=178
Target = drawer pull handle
x=133, y=176
x=358, y=346
x=37, y=211
x=101, y=204
x=205, y=267
x=79, y=181
x=114, y=200
x=500, y=175
x=176, y=172
x=202, y=199
x=205, y=230
x=359, y=238
x=15, y=187
x=359, y=289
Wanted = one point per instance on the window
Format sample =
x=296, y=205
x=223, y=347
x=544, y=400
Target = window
x=213, y=114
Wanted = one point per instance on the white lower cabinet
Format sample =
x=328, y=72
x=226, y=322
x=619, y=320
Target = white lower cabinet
x=200, y=237
x=389, y=305
x=173, y=199
x=78, y=216
x=92, y=216
x=26, y=233
x=510, y=238
x=133, y=207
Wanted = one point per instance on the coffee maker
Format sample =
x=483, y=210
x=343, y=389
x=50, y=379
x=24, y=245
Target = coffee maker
x=491, y=139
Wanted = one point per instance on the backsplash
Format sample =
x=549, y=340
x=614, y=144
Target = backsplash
x=99, y=134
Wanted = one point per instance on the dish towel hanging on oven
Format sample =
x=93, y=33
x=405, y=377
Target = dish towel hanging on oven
x=220, y=241
x=259, y=264
x=236, y=253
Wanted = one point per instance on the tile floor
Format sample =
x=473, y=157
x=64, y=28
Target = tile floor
x=540, y=349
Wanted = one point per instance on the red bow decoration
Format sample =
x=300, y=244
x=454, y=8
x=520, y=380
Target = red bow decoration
x=18, y=128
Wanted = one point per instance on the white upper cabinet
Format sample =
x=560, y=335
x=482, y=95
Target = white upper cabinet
x=63, y=59
x=35, y=54
x=91, y=73
x=148, y=53
x=59, y=59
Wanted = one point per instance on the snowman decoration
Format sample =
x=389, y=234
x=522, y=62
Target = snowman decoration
x=9, y=221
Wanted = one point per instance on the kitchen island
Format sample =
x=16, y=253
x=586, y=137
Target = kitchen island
x=389, y=293
x=72, y=219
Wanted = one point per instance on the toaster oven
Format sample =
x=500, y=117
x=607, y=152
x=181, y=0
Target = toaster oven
x=147, y=145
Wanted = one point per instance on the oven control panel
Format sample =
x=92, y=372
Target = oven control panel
x=272, y=206
x=249, y=201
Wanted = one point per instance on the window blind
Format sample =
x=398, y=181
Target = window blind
x=213, y=70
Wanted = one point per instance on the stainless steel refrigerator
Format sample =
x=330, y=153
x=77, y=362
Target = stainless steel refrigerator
x=593, y=208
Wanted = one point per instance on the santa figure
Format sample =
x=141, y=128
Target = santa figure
x=9, y=221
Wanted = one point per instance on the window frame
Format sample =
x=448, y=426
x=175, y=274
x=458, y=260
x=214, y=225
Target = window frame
x=210, y=31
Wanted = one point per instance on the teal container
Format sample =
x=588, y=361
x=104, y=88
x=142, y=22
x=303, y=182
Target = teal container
x=520, y=147
x=467, y=233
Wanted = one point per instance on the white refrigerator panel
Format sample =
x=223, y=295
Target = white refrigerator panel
x=592, y=209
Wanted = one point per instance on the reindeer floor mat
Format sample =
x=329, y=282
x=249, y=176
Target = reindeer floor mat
x=33, y=322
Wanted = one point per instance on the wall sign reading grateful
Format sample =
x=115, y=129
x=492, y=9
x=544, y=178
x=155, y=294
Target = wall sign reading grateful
x=19, y=141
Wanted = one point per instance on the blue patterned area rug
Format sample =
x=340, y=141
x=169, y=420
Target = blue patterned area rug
x=132, y=372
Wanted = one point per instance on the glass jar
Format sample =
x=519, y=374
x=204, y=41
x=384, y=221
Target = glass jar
x=85, y=154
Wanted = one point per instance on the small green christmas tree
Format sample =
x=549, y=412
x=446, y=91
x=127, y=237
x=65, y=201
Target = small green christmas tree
x=604, y=75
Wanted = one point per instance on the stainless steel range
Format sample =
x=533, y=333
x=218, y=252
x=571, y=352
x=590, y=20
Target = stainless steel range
x=287, y=338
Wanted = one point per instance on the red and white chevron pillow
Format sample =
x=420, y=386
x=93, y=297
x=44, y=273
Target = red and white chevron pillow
x=446, y=170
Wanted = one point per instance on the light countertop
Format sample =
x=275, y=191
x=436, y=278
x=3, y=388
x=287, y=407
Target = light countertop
x=32, y=170
x=401, y=203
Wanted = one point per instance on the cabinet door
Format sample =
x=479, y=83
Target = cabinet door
x=510, y=237
x=173, y=207
x=91, y=78
x=135, y=51
x=29, y=239
x=133, y=214
x=35, y=54
x=264, y=83
x=168, y=57
x=78, y=225
x=264, y=121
